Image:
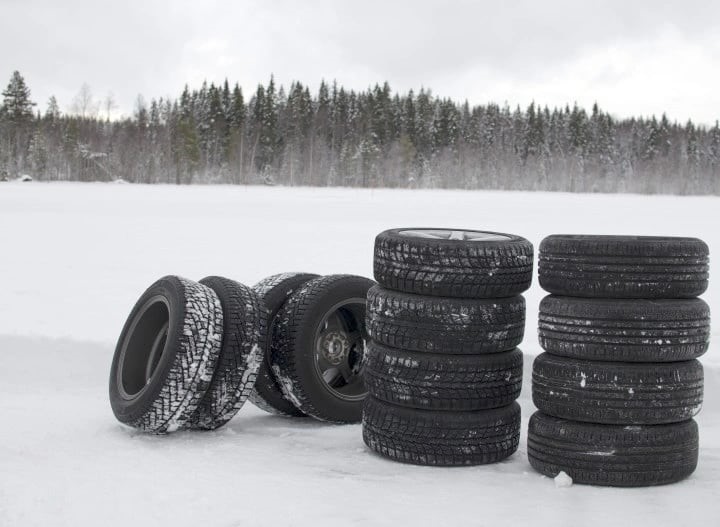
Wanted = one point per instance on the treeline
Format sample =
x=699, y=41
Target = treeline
x=340, y=137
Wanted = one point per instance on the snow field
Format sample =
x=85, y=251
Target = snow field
x=75, y=258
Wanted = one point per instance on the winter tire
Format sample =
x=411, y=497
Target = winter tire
x=453, y=263
x=425, y=437
x=445, y=325
x=241, y=353
x=618, y=456
x=318, y=347
x=616, y=392
x=274, y=292
x=625, y=330
x=443, y=382
x=166, y=355
x=623, y=266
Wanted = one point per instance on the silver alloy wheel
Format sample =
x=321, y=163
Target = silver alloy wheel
x=459, y=235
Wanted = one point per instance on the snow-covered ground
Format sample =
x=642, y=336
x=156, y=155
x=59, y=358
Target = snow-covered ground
x=75, y=257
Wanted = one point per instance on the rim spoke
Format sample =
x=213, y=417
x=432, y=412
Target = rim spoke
x=322, y=362
x=423, y=234
x=332, y=324
x=346, y=371
x=331, y=375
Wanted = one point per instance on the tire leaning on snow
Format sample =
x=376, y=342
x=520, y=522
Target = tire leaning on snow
x=244, y=335
x=274, y=292
x=294, y=347
x=613, y=455
x=452, y=265
x=166, y=355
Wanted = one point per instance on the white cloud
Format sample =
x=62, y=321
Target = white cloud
x=634, y=58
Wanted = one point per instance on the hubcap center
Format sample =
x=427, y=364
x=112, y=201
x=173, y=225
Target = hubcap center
x=335, y=348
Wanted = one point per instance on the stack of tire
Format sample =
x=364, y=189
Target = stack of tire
x=191, y=353
x=619, y=382
x=442, y=368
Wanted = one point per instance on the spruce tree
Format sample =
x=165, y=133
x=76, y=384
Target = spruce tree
x=17, y=106
x=52, y=113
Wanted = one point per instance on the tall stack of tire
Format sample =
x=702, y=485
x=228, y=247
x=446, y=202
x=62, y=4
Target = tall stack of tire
x=442, y=368
x=619, y=382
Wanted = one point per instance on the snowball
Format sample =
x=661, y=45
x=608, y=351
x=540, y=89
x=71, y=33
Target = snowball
x=563, y=481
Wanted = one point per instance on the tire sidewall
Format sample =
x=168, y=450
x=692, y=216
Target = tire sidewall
x=131, y=410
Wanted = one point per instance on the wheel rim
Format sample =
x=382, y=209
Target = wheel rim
x=339, y=349
x=459, y=235
x=143, y=347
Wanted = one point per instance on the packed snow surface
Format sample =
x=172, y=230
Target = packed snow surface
x=75, y=257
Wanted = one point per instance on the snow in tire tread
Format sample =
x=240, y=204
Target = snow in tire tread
x=288, y=282
x=244, y=332
x=445, y=325
x=198, y=349
x=453, y=269
x=443, y=382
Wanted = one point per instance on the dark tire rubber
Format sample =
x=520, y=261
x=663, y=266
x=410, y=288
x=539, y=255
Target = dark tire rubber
x=293, y=347
x=616, y=392
x=625, y=330
x=453, y=268
x=166, y=355
x=623, y=266
x=425, y=437
x=443, y=382
x=244, y=335
x=445, y=325
x=618, y=456
x=274, y=292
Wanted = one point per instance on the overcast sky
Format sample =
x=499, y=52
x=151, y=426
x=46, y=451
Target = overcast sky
x=633, y=57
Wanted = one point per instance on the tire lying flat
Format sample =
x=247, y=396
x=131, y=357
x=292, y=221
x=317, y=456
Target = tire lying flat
x=460, y=264
x=445, y=325
x=622, y=456
x=625, y=330
x=305, y=347
x=244, y=336
x=166, y=355
x=623, y=266
x=443, y=382
x=274, y=292
x=617, y=392
x=441, y=438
